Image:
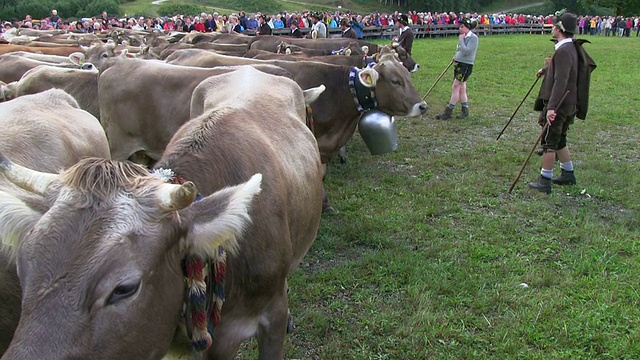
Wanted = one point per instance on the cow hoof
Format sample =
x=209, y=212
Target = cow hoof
x=289, y=324
x=329, y=210
x=343, y=159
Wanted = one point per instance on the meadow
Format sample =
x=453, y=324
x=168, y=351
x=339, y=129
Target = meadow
x=427, y=256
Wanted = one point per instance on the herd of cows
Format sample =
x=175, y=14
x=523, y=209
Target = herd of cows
x=93, y=265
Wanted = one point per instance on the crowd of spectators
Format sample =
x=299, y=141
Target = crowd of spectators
x=241, y=22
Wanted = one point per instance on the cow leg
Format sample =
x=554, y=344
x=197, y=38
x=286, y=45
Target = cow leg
x=342, y=153
x=273, y=328
x=9, y=298
x=326, y=206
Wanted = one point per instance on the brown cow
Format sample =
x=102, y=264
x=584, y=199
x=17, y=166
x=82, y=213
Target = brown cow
x=272, y=43
x=56, y=135
x=13, y=66
x=336, y=112
x=139, y=123
x=82, y=84
x=61, y=50
x=107, y=282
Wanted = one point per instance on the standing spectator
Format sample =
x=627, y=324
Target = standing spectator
x=607, y=26
x=252, y=23
x=560, y=77
x=278, y=23
x=139, y=25
x=357, y=26
x=54, y=18
x=199, y=25
x=169, y=25
x=295, y=31
x=621, y=27
x=264, y=28
x=210, y=24
x=318, y=28
x=8, y=31
x=463, y=59
x=405, y=38
x=333, y=23
x=188, y=25
x=234, y=25
x=242, y=20
x=347, y=31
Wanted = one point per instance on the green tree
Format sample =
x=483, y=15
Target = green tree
x=38, y=9
x=8, y=9
x=95, y=7
x=620, y=7
x=267, y=6
x=169, y=9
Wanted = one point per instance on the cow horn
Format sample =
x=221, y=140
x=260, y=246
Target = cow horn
x=30, y=180
x=176, y=197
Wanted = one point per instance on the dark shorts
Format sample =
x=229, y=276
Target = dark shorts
x=462, y=71
x=556, y=137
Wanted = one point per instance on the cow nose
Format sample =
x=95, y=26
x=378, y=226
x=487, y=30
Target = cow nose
x=423, y=107
x=415, y=68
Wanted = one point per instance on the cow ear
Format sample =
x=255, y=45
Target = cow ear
x=220, y=218
x=368, y=77
x=347, y=52
x=16, y=220
x=126, y=54
x=8, y=91
x=312, y=94
x=365, y=48
x=77, y=58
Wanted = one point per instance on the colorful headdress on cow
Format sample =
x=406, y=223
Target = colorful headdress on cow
x=566, y=21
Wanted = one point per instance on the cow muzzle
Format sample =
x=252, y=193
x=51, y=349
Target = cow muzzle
x=415, y=68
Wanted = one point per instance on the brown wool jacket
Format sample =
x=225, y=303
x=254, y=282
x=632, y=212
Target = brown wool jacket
x=562, y=75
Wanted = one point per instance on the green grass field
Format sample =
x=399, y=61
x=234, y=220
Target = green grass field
x=425, y=258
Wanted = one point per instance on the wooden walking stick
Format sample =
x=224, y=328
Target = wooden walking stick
x=518, y=108
x=438, y=79
x=544, y=129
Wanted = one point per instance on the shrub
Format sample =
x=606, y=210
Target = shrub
x=168, y=9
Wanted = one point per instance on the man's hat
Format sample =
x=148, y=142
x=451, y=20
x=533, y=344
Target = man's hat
x=402, y=18
x=316, y=14
x=566, y=21
x=468, y=23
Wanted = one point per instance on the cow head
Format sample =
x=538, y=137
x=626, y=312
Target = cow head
x=100, y=271
x=406, y=59
x=394, y=90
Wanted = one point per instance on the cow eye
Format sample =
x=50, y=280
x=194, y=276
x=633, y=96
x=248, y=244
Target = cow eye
x=396, y=82
x=122, y=292
x=104, y=55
